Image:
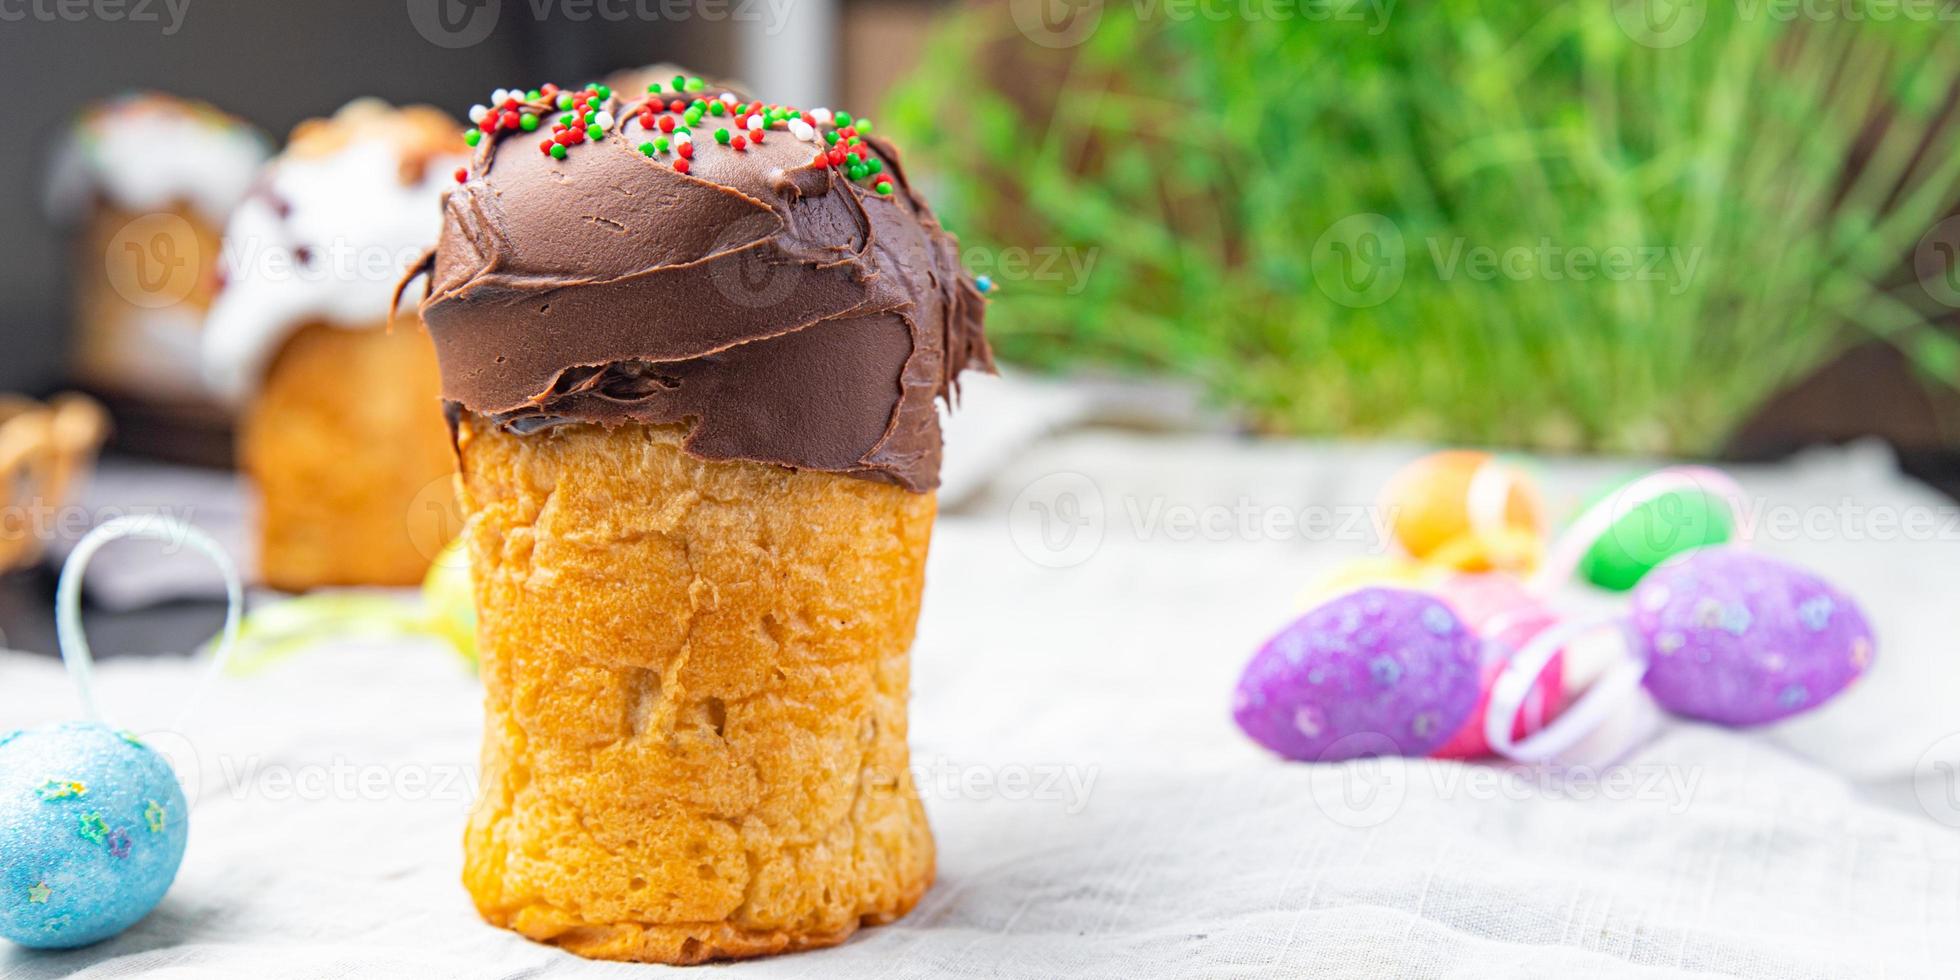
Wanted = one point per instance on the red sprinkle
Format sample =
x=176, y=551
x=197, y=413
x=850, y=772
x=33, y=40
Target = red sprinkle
x=755, y=135
x=680, y=166
x=510, y=119
x=489, y=123
x=462, y=174
x=666, y=124
x=676, y=106
x=836, y=157
x=686, y=150
x=544, y=147
x=822, y=160
x=739, y=142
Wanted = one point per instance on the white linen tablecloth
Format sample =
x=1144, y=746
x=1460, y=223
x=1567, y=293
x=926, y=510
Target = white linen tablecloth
x=1097, y=813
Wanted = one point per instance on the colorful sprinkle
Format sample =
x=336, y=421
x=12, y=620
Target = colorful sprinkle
x=154, y=815
x=118, y=843
x=62, y=789
x=38, y=893
x=93, y=827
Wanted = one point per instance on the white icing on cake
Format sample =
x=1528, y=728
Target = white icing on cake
x=147, y=152
x=325, y=239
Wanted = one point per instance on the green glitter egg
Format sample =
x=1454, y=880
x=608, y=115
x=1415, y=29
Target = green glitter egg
x=1653, y=532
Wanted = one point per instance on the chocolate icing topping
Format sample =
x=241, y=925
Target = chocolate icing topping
x=785, y=313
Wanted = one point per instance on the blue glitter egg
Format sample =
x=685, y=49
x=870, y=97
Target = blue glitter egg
x=92, y=829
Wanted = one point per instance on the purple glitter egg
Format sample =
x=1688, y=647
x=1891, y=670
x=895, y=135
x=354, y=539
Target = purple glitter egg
x=1740, y=639
x=1374, y=672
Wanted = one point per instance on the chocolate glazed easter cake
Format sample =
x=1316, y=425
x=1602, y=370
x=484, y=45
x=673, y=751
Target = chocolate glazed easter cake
x=691, y=345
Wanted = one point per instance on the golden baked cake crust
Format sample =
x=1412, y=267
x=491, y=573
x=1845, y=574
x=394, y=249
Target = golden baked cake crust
x=352, y=460
x=695, y=677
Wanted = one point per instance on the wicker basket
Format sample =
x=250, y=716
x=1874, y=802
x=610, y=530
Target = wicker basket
x=44, y=450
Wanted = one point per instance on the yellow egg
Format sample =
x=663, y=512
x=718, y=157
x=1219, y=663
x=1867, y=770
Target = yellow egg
x=1466, y=510
x=1363, y=572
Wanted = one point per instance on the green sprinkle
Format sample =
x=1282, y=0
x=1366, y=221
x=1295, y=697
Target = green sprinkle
x=721, y=136
x=567, y=119
x=558, y=151
x=864, y=126
x=830, y=137
x=93, y=828
x=877, y=165
x=856, y=171
x=473, y=136
x=646, y=149
x=588, y=117
x=843, y=119
x=682, y=129
x=680, y=82
x=533, y=95
x=660, y=143
x=716, y=108
x=884, y=187
x=695, y=85
x=565, y=100
x=604, y=92
x=654, y=88
x=527, y=122
x=595, y=133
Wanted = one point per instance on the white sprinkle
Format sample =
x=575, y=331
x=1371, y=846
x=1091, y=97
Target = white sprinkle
x=498, y=97
x=604, y=119
x=680, y=137
x=728, y=98
x=802, y=130
x=820, y=115
x=477, y=113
